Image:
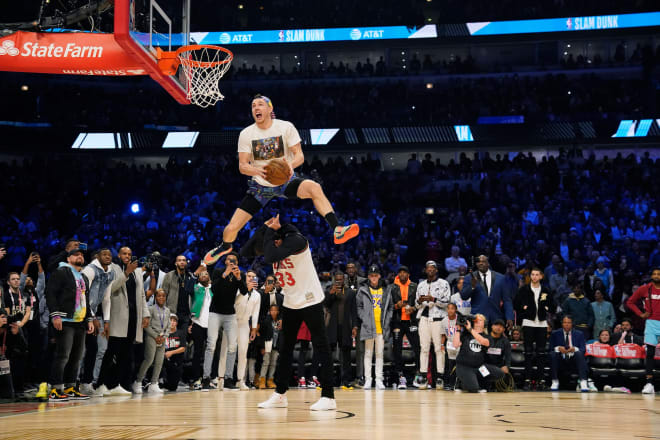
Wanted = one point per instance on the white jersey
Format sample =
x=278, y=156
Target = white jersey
x=273, y=143
x=300, y=283
x=247, y=306
x=438, y=289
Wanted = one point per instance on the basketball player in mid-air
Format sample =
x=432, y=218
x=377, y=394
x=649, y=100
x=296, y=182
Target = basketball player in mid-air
x=267, y=139
x=288, y=251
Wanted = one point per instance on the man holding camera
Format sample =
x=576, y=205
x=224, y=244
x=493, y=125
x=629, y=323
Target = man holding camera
x=226, y=284
x=472, y=341
x=125, y=315
x=66, y=294
x=341, y=306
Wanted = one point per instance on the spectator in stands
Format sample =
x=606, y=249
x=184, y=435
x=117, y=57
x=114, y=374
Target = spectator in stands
x=404, y=321
x=649, y=296
x=567, y=348
x=175, y=346
x=100, y=277
x=605, y=275
x=14, y=348
x=604, y=315
x=626, y=335
x=374, y=310
x=579, y=309
x=453, y=262
x=534, y=305
x=125, y=315
x=66, y=294
x=342, y=318
x=485, y=289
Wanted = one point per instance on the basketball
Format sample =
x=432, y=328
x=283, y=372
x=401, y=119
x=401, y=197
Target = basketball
x=277, y=172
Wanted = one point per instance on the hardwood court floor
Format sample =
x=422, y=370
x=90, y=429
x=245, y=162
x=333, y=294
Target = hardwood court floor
x=389, y=414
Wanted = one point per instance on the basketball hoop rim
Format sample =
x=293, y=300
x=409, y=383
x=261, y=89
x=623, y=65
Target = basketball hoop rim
x=202, y=64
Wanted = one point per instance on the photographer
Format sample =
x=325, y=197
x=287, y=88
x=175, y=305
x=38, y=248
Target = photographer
x=473, y=342
x=225, y=285
x=270, y=295
x=13, y=348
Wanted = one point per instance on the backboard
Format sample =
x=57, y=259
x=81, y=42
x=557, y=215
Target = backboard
x=143, y=25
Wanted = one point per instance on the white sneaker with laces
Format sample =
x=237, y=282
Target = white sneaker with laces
x=324, y=404
x=482, y=391
x=87, y=388
x=102, y=391
x=137, y=388
x=584, y=387
x=380, y=385
x=367, y=384
x=154, y=389
x=275, y=401
x=119, y=391
x=554, y=386
x=242, y=386
x=402, y=383
x=648, y=389
x=592, y=387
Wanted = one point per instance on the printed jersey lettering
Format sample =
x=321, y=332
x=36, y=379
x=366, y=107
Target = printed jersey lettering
x=475, y=346
x=268, y=148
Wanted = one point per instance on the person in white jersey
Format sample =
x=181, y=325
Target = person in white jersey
x=247, y=316
x=288, y=251
x=269, y=138
x=533, y=303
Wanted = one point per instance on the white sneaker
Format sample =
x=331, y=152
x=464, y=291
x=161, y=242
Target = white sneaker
x=592, y=386
x=324, y=404
x=87, y=388
x=482, y=391
x=102, y=391
x=275, y=401
x=554, y=386
x=380, y=385
x=584, y=387
x=367, y=384
x=154, y=389
x=118, y=391
x=137, y=388
x=648, y=389
x=220, y=383
x=242, y=386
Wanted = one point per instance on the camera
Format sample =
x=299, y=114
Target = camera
x=462, y=320
x=150, y=262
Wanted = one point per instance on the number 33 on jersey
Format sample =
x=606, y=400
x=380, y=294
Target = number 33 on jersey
x=300, y=284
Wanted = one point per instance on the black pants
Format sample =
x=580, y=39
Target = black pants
x=344, y=357
x=649, y=362
x=199, y=335
x=471, y=378
x=534, y=356
x=413, y=338
x=91, y=347
x=291, y=320
x=70, y=344
x=117, y=366
x=449, y=377
x=172, y=371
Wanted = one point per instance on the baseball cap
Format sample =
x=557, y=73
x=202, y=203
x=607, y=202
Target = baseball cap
x=499, y=322
x=74, y=251
x=403, y=268
x=432, y=263
x=374, y=269
x=173, y=315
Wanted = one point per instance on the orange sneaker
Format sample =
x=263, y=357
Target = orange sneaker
x=345, y=233
x=215, y=254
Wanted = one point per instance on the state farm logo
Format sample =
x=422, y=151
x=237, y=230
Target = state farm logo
x=8, y=48
x=30, y=49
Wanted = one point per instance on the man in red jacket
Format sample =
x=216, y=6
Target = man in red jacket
x=650, y=294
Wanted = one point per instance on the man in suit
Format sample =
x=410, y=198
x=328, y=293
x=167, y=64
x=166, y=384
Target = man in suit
x=340, y=321
x=567, y=351
x=352, y=282
x=486, y=290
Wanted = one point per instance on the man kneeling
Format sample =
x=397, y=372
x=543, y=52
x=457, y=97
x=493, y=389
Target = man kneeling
x=471, y=367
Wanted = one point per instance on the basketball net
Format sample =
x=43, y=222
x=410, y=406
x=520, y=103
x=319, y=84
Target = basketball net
x=203, y=67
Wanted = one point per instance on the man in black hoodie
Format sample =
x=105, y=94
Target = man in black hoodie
x=288, y=251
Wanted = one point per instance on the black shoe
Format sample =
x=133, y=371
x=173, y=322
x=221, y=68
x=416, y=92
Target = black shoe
x=206, y=385
x=527, y=386
x=230, y=384
x=541, y=386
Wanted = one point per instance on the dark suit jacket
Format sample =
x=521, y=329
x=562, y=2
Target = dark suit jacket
x=489, y=306
x=557, y=339
x=349, y=318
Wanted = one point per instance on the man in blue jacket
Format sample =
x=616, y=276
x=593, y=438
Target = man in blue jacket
x=567, y=351
x=486, y=290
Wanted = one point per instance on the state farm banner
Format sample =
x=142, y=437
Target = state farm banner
x=66, y=53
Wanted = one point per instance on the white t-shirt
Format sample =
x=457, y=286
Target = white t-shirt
x=300, y=284
x=535, y=322
x=272, y=143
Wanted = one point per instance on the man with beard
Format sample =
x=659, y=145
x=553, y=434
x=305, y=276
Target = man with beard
x=404, y=293
x=352, y=283
x=485, y=289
